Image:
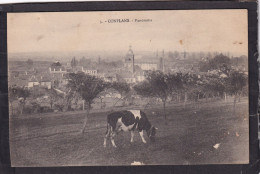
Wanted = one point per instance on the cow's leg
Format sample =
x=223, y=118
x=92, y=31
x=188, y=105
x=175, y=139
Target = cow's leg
x=142, y=136
x=132, y=136
x=112, y=135
x=112, y=139
x=107, y=135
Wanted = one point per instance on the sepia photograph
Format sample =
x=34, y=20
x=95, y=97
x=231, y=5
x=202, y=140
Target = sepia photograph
x=120, y=88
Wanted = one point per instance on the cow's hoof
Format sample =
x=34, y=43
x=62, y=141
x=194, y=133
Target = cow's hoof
x=105, y=146
x=144, y=142
x=115, y=146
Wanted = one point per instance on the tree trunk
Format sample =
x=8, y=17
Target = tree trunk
x=101, y=107
x=69, y=105
x=164, y=112
x=51, y=104
x=225, y=95
x=83, y=105
x=198, y=103
x=21, y=111
x=185, y=99
x=234, y=104
x=86, y=118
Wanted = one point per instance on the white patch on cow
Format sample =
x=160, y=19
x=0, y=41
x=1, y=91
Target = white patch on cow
x=216, y=146
x=122, y=126
x=136, y=113
x=137, y=163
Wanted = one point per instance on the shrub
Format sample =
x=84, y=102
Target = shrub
x=59, y=106
x=28, y=110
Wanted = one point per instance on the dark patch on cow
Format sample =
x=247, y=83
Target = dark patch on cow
x=144, y=123
x=128, y=118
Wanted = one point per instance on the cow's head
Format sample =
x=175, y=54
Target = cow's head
x=151, y=133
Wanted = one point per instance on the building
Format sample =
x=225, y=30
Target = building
x=130, y=62
x=129, y=59
x=39, y=82
x=57, y=68
x=126, y=76
x=140, y=77
x=147, y=65
x=110, y=77
x=33, y=82
x=92, y=72
x=57, y=73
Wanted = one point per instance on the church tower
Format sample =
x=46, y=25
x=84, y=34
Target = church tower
x=129, y=59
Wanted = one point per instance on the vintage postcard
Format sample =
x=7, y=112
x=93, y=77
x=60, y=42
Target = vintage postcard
x=105, y=88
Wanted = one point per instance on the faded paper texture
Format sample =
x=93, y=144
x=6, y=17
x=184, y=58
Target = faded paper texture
x=166, y=87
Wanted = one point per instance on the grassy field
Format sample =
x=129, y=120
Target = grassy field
x=187, y=137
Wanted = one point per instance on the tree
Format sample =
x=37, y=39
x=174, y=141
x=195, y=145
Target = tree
x=194, y=88
x=53, y=96
x=122, y=88
x=175, y=82
x=89, y=87
x=73, y=63
x=12, y=91
x=101, y=96
x=37, y=92
x=59, y=104
x=214, y=85
x=156, y=85
x=191, y=86
x=236, y=82
x=220, y=63
x=22, y=94
x=68, y=99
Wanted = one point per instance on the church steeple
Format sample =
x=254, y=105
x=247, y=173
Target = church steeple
x=129, y=54
x=129, y=59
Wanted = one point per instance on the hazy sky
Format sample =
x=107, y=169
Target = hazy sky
x=190, y=30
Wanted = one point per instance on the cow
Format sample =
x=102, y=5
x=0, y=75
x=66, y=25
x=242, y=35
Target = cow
x=128, y=120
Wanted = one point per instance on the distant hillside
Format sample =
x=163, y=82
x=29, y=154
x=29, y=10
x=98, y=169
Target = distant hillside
x=67, y=56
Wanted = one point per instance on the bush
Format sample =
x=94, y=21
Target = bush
x=45, y=109
x=59, y=106
x=36, y=108
x=28, y=110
